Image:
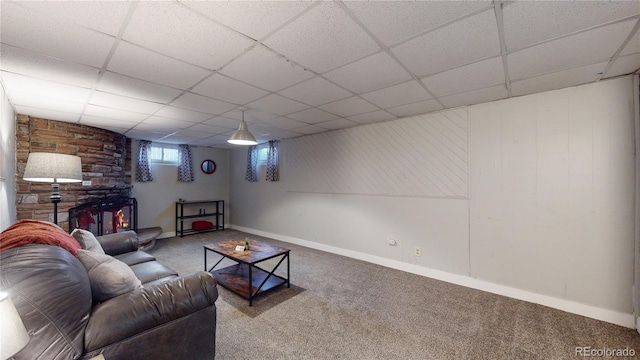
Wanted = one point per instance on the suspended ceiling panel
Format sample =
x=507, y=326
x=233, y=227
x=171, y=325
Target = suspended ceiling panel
x=180, y=70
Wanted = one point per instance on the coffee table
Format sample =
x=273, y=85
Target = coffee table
x=245, y=278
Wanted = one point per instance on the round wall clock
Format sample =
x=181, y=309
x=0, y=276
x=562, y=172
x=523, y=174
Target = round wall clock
x=208, y=166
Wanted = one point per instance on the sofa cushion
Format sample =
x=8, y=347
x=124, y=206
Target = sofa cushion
x=152, y=270
x=134, y=257
x=109, y=277
x=87, y=240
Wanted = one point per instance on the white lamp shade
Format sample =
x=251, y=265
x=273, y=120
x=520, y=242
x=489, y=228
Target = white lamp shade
x=13, y=335
x=47, y=167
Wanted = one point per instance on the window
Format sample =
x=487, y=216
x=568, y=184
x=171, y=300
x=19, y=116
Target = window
x=262, y=154
x=164, y=154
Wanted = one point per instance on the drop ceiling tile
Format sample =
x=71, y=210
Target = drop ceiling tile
x=45, y=102
x=284, y=123
x=624, y=65
x=474, y=38
x=397, y=95
x=475, y=96
x=37, y=87
x=49, y=37
x=278, y=105
x=210, y=142
x=193, y=134
x=349, y=107
x=250, y=116
x=106, y=122
x=155, y=68
x=145, y=135
x=182, y=114
x=557, y=80
x=202, y=104
x=316, y=91
x=255, y=19
x=139, y=89
x=572, y=51
x=177, y=31
x=16, y=60
x=163, y=123
x=309, y=129
x=47, y=113
x=110, y=113
x=266, y=70
x=416, y=17
x=337, y=124
x=280, y=134
x=478, y=75
x=208, y=129
x=370, y=73
x=420, y=107
x=530, y=22
x=223, y=121
x=312, y=116
x=198, y=134
x=226, y=89
x=124, y=103
x=178, y=139
x=336, y=39
x=372, y=117
x=262, y=131
x=633, y=46
x=115, y=128
x=104, y=16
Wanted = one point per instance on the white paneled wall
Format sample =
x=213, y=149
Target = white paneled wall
x=549, y=216
x=552, y=204
x=423, y=156
x=7, y=162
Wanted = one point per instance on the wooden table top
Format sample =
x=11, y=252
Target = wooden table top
x=258, y=250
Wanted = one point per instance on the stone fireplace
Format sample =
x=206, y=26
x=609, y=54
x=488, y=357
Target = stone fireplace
x=105, y=216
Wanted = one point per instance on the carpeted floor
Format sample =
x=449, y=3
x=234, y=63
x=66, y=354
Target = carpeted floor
x=341, y=308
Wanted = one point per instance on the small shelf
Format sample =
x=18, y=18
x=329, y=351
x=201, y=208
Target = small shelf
x=236, y=278
x=218, y=216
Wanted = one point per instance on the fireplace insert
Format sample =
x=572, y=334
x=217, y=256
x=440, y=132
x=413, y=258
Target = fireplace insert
x=105, y=216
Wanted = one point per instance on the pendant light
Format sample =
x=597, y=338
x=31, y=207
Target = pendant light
x=242, y=136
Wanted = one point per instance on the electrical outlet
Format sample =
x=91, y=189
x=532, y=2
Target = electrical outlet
x=86, y=183
x=417, y=251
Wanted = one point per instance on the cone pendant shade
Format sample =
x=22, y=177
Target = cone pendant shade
x=242, y=136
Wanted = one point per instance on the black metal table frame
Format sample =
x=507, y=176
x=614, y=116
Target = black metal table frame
x=271, y=273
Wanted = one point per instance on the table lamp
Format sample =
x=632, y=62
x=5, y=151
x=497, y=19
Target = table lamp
x=53, y=168
x=13, y=335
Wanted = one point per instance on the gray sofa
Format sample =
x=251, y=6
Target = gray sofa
x=169, y=317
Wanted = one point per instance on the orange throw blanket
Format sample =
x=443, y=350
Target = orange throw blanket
x=37, y=232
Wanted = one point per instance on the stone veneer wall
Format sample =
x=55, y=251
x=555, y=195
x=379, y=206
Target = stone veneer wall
x=105, y=156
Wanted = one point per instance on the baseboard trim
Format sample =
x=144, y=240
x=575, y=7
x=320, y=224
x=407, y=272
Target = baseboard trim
x=614, y=317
